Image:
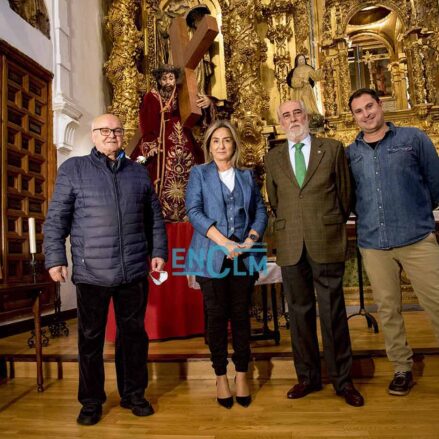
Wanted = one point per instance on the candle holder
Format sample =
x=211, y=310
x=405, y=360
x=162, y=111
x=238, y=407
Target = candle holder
x=44, y=338
x=33, y=266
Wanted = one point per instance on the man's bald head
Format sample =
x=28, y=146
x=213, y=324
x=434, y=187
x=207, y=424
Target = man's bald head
x=104, y=119
x=107, y=143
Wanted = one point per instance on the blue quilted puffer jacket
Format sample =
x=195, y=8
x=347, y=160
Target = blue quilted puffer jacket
x=113, y=217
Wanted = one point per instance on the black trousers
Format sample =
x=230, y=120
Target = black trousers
x=227, y=299
x=131, y=340
x=302, y=283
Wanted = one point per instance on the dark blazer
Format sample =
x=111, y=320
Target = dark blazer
x=316, y=213
x=205, y=207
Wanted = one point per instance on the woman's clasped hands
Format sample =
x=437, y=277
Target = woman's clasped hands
x=234, y=249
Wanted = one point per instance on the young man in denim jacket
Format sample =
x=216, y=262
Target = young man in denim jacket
x=396, y=181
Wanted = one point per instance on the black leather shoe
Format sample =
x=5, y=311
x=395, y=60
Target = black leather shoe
x=401, y=384
x=226, y=402
x=302, y=389
x=140, y=407
x=245, y=401
x=90, y=414
x=351, y=395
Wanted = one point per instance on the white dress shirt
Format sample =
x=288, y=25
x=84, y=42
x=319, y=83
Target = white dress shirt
x=306, y=149
x=228, y=178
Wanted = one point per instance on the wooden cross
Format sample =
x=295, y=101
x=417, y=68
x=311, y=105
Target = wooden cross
x=186, y=54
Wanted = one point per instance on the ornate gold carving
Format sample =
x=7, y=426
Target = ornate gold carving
x=420, y=45
x=278, y=15
x=417, y=47
x=329, y=88
x=398, y=74
x=326, y=32
x=413, y=46
x=247, y=52
x=343, y=75
x=150, y=38
x=301, y=26
x=121, y=67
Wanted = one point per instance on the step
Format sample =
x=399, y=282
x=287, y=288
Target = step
x=272, y=367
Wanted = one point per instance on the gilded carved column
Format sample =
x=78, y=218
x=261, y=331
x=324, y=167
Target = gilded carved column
x=301, y=26
x=246, y=53
x=329, y=86
x=427, y=30
x=344, y=79
x=149, y=11
x=279, y=17
x=398, y=73
x=413, y=46
x=341, y=58
x=121, y=67
x=430, y=58
x=330, y=94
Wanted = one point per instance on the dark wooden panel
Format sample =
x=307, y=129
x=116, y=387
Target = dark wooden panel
x=27, y=165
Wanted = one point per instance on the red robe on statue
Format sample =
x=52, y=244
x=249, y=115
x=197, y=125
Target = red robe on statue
x=170, y=150
x=174, y=309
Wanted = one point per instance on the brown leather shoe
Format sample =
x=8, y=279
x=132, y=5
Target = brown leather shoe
x=351, y=395
x=302, y=389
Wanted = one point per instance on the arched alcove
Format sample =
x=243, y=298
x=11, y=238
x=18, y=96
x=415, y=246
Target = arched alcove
x=375, y=56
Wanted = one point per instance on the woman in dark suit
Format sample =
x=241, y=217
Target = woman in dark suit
x=225, y=207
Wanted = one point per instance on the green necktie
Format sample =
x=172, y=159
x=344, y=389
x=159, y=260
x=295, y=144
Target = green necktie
x=299, y=160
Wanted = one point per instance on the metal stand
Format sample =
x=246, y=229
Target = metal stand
x=44, y=339
x=36, y=338
x=265, y=333
x=371, y=321
x=58, y=327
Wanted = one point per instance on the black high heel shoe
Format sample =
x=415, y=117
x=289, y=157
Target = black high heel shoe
x=226, y=402
x=245, y=401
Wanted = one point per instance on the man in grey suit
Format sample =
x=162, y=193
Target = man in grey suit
x=308, y=187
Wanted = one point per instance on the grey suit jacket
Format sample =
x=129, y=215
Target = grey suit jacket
x=314, y=215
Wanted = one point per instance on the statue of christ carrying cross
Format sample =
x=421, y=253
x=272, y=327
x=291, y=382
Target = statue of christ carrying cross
x=170, y=111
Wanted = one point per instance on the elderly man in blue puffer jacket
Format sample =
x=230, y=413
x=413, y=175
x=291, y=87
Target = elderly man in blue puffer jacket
x=107, y=204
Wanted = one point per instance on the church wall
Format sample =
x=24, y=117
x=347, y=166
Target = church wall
x=87, y=59
x=20, y=34
x=86, y=88
x=75, y=55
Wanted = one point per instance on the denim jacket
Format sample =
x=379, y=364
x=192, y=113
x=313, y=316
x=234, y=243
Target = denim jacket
x=396, y=187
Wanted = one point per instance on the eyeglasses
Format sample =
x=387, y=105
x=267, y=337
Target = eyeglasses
x=118, y=132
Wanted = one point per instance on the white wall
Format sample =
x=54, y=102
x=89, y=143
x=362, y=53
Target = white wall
x=87, y=61
x=24, y=37
x=75, y=55
x=86, y=89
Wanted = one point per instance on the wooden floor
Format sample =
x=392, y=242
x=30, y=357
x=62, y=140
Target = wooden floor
x=419, y=330
x=186, y=408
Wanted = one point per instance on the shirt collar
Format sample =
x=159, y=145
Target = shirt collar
x=391, y=126
x=306, y=142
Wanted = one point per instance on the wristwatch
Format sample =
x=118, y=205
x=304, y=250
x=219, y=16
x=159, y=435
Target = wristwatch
x=253, y=237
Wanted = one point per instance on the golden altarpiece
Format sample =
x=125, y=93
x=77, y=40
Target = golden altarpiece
x=391, y=46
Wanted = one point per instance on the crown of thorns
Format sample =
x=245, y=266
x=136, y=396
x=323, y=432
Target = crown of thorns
x=166, y=68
